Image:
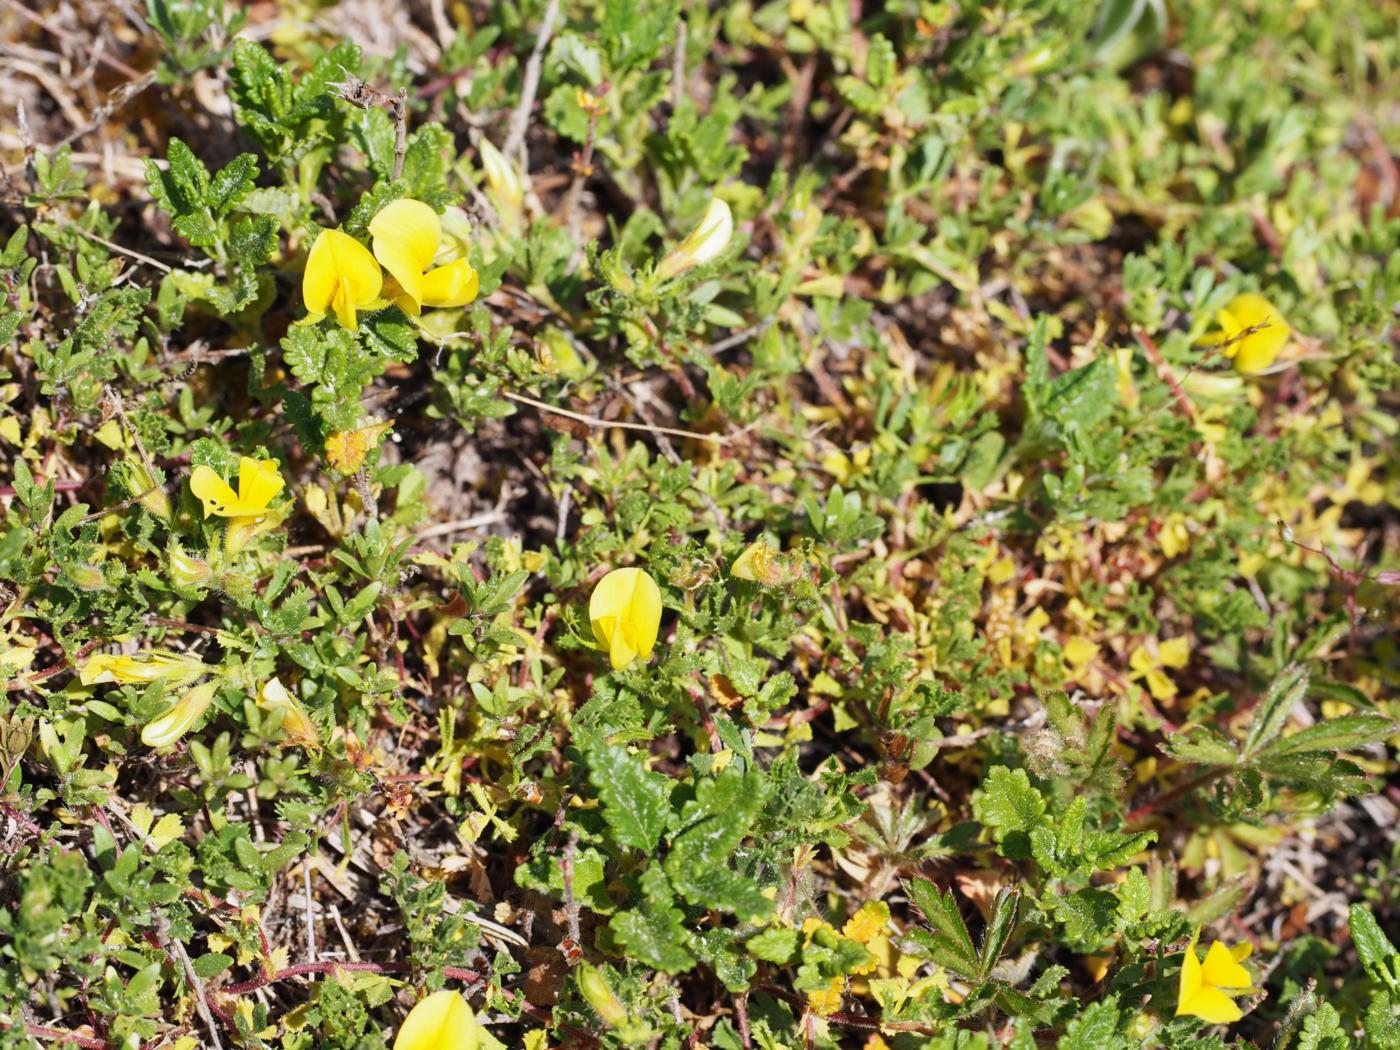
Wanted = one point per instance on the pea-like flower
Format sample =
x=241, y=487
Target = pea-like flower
x=273, y=697
x=406, y=235
x=341, y=277
x=442, y=1021
x=259, y=482
x=702, y=244
x=625, y=612
x=1152, y=667
x=141, y=668
x=1259, y=349
x=1201, y=992
x=177, y=720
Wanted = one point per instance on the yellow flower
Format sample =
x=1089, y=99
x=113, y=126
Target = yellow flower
x=296, y=723
x=1259, y=349
x=625, y=612
x=703, y=243
x=1173, y=653
x=341, y=277
x=141, y=668
x=1174, y=537
x=259, y=481
x=1079, y=653
x=442, y=1021
x=176, y=721
x=1201, y=983
x=406, y=235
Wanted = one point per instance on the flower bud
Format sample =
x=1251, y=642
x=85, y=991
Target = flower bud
x=594, y=987
x=296, y=723
x=178, y=720
x=187, y=573
x=703, y=243
x=504, y=185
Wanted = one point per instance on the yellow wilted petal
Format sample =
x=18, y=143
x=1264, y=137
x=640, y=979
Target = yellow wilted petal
x=625, y=612
x=346, y=449
x=341, y=276
x=454, y=284
x=177, y=720
x=869, y=921
x=442, y=1021
x=405, y=236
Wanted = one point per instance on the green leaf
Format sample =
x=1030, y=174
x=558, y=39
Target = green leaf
x=211, y=964
x=1288, y=688
x=1096, y=1028
x=1375, y=950
x=777, y=944
x=711, y=826
x=636, y=800
x=950, y=944
x=1323, y=1031
x=1011, y=807
x=1338, y=734
x=998, y=929
x=653, y=933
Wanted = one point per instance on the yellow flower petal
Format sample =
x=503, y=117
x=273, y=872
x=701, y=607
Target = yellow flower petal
x=341, y=276
x=1221, y=970
x=1210, y=1005
x=405, y=236
x=703, y=243
x=1175, y=652
x=442, y=1021
x=259, y=481
x=1260, y=349
x=140, y=668
x=625, y=612
x=454, y=284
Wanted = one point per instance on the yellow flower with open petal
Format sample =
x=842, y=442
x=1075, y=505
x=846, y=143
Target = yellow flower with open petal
x=1173, y=653
x=625, y=612
x=1201, y=987
x=341, y=277
x=176, y=720
x=406, y=234
x=1259, y=349
x=442, y=1021
x=259, y=482
x=141, y=668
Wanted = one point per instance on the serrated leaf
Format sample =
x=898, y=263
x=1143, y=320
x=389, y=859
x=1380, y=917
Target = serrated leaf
x=1338, y=734
x=711, y=826
x=1003, y=921
x=1288, y=688
x=777, y=944
x=653, y=933
x=1375, y=950
x=636, y=800
x=1096, y=1028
